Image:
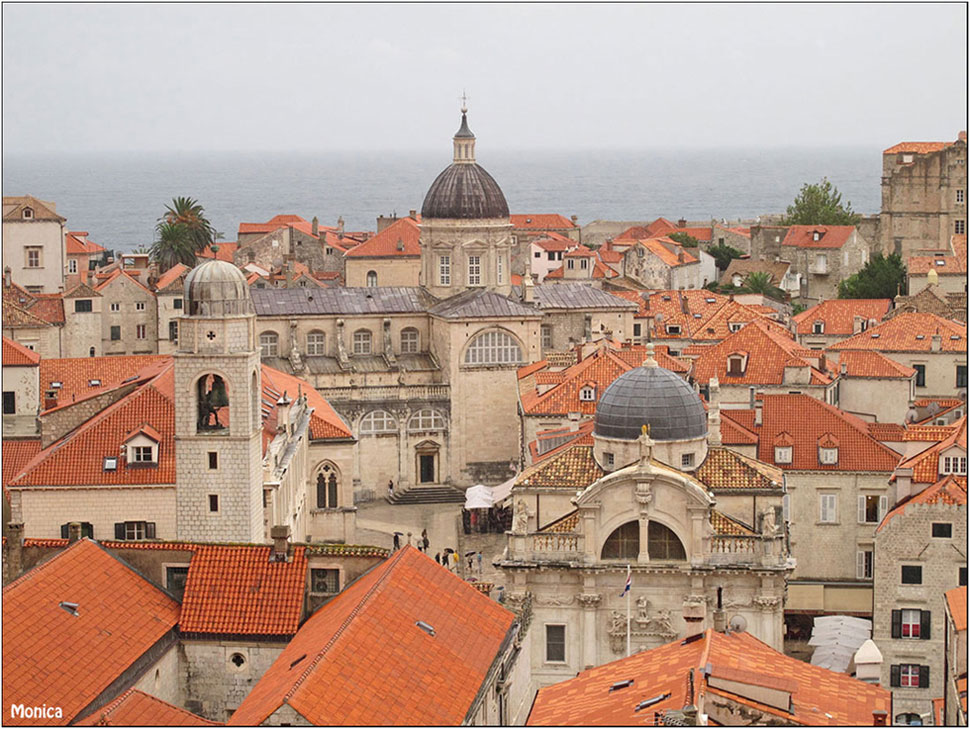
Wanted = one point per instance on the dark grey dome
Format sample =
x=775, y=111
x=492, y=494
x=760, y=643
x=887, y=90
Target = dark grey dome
x=464, y=190
x=650, y=396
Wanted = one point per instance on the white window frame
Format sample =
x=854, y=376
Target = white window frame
x=910, y=623
x=686, y=460
x=444, y=270
x=372, y=279
x=426, y=419
x=545, y=331
x=961, y=196
x=493, y=347
x=828, y=456
x=363, y=341
x=269, y=344
x=863, y=564
x=139, y=306
x=410, y=340
x=863, y=508
x=783, y=454
x=956, y=465
x=142, y=454
x=587, y=393
x=828, y=508
x=959, y=227
x=114, y=306
x=818, y=327
x=378, y=421
x=136, y=530
x=316, y=342
x=72, y=265
x=31, y=250
x=908, y=675
x=474, y=270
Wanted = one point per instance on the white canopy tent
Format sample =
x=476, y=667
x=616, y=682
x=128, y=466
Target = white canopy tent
x=478, y=497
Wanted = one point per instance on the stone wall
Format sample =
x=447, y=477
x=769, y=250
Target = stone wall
x=82, y=330
x=128, y=296
x=49, y=235
x=57, y=423
x=390, y=270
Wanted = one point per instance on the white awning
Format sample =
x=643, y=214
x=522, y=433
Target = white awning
x=501, y=492
x=478, y=497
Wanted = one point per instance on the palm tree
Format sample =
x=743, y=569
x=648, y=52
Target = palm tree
x=189, y=213
x=173, y=244
x=759, y=282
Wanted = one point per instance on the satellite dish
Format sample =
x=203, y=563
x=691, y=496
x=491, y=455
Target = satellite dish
x=738, y=624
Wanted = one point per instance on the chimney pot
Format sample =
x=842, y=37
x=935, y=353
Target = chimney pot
x=682, y=223
x=280, y=535
x=936, y=343
x=879, y=718
x=73, y=532
x=6, y=276
x=413, y=214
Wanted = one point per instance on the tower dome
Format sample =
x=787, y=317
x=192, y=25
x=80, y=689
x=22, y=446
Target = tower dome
x=464, y=189
x=650, y=395
x=217, y=288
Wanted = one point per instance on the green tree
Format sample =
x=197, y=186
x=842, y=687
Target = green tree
x=820, y=204
x=759, y=282
x=797, y=309
x=188, y=212
x=173, y=244
x=723, y=255
x=883, y=277
x=685, y=239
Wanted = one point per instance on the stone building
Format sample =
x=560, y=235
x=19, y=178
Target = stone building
x=932, y=299
x=662, y=263
x=21, y=389
x=82, y=256
x=873, y=387
x=129, y=315
x=650, y=495
x=955, y=691
x=390, y=258
x=924, y=195
x=169, y=290
x=832, y=321
x=33, y=244
x=920, y=553
x=823, y=255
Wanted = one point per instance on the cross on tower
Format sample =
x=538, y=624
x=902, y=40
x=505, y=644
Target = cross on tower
x=210, y=336
x=464, y=102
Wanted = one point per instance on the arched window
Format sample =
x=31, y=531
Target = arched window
x=426, y=419
x=378, y=421
x=91, y=352
x=587, y=393
x=316, y=343
x=173, y=331
x=662, y=543
x=494, y=347
x=269, y=343
x=362, y=341
x=327, y=487
x=372, y=278
x=212, y=394
x=624, y=542
x=410, y=340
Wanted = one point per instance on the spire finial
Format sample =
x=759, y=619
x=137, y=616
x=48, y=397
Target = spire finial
x=464, y=102
x=650, y=361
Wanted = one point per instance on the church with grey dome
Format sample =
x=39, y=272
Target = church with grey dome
x=217, y=288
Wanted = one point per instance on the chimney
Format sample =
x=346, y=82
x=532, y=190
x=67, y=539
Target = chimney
x=757, y=411
x=720, y=620
x=340, y=224
x=6, y=276
x=400, y=244
x=751, y=398
x=413, y=214
x=857, y=324
x=283, y=413
x=315, y=227
x=904, y=485
x=15, y=550
x=281, y=543
x=879, y=718
x=528, y=289
x=714, y=413
x=843, y=368
x=868, y=663
x=73, y=532
x=682, y=223
x=936, y=342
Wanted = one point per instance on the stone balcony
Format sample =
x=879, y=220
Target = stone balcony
x=380, y=393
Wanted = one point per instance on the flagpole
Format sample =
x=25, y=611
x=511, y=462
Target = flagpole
x=628, y=591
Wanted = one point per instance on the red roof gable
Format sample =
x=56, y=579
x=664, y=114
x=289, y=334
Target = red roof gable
x=76, y=373
x=909, y=332
x=541, y=221
x=136, y=708
x=948, y=490
x=325, y=422
x=282, y=221
x=114, y=276
x=400, y=239
x=363, y=659
x=76, y=243
x=956, y=599
x=860, y=363
x=17, y=355
x=241, y=591
x=54, y=657
x=17, y=454
x=226, y=251
x=818, y=696
x=828, y=236
x=917, y=147
x=171, y=276
x=926, y=463
x=554, y=242
x=838, y=315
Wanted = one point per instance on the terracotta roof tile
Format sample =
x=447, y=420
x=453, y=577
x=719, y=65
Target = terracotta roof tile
x=76, y=243
x=13, y=208
x=136, y=708
x=17, y=355
x=942, y=262
x=909, y=332
x=838, y=315
x=226, y=251
x=956, y=599
x=541, y=221
x=818, y=696
x=917, y=147
x=325, y=422
x=583, y=435
x=120, y=615
x=563, y=525
x=240, y=591
x=400, y=239
x=280, y=221
x=76, y=373
x=661, y=227
x=554, y=242
x=49, y=307
x=887, y=432
x=571, y=469
x=948, y=490
x=926, y=463
x=724, y=525
x=171, y=276
x=17, y=317
x=727, y=470
x=362, y=658
x=829, y=236
x=869, y=363
x=117, y=274
x=17, y=454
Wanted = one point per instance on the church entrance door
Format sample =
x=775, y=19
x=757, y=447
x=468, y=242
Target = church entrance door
x=426, y=468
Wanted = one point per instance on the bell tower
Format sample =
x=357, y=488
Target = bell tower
x=218, y=442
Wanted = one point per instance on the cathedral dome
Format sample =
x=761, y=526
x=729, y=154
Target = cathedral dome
x=650, y=395
x=217, y=288
x=464, y=189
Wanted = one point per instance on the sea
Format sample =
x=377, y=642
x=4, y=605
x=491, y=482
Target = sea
x=117, y=198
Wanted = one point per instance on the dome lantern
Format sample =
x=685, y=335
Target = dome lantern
x=217, y=288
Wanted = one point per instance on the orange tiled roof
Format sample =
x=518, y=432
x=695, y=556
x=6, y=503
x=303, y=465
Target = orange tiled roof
x=572, y=468
x=769, y=351
x=869, y=363
x=948, y=490
x=240, y=591
x=563, y=525
x=17, y=317
x=887, y=431
x=598, y=370
x=727, y=470
x=839, y=315
x=325, y=422
x=171, y=276
x=583, y=435
x=53, y=657
x=362, y=659
x=136, y=708
x=76, y=243
x=818, y=696
x=226, y=251
x=17, y=355
x=541, y=221
x=736, y=432
x=49, y=307
x=668, y=251
x=75, y=373
x=661, y=227
x=17, y=454
x=114, y=276
x=909, y=332
x=805, y=420
x=277, y=222
x=580, y=251
x=956, y=599
x=400, y=239
x=926, y=463
x=554, y=242
x=829, y=236
x=917, y=147
x=942, y=262
x=724, y=525
x=524, y=372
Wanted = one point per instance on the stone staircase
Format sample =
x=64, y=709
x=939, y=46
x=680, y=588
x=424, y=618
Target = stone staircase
x=428, y=495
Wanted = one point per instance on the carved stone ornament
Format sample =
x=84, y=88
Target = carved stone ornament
x=589, y=600
x=521, y=604
x=554, y=600
x=641, y=626
x=766, y=603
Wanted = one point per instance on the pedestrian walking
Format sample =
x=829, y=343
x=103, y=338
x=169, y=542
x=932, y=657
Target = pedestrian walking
x=437, y=557
x=390, y=489
x=397, y=541
x=479, y=564
x=424, y=539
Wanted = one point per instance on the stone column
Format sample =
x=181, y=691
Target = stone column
x=644, y=496
x=402, y=448
x=589, y=603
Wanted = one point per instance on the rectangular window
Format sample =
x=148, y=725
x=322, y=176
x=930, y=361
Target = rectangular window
x=954, y=464
x=115, y=333
x=910, y=623
x=551, y=255
x=9, y=403
x=115, y=306
x=474, y=270
x=570, y=263
x=909, y=675
x=134, y=530
x=538, y=254
x=213, y=461
x=584, y=263
x=213, y=502
x=960, y=197
x=324, y=582
x=546, y=330
x=139, y=331
x=959, y=227
x=362, y=342
x=961, y=375
x=686, y=460
x=636, y=330
x=32, y=256
x=556, y=643
x=920, y=374
x=444, y=270
x=863, y=569
x=608, y=457
x=175, y=578
x=943, y=530
x=827, y=507
x=176, y=303
x=139, y=306
x=82, y=305
x=142, y=454
x=963, y=576
x=911, y=575
x=500, y=270
x=72, y=266
x=871, y=508
x=783, y=454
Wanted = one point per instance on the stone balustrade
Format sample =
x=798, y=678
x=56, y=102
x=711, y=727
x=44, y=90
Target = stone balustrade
x=378, y=393
x=727, y=550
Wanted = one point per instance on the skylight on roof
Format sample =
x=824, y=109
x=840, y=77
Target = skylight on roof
x=921, y=336
x=875, y=335
x=70, y=607
x=940, y=263
x=621, y=685
x=57, y=385
x=425, y=627
x=650, y=702
x=110, y=463
x=711, y=301
x=94, y=383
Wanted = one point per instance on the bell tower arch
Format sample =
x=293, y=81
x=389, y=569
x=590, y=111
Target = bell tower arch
x=218, y=443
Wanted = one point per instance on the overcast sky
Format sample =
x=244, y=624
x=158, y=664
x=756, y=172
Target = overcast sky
x=320, y=77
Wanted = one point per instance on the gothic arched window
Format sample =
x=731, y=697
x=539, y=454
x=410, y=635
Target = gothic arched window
x=372, y=278
x=327, y=488
x=623, y=543
x=662, y=543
